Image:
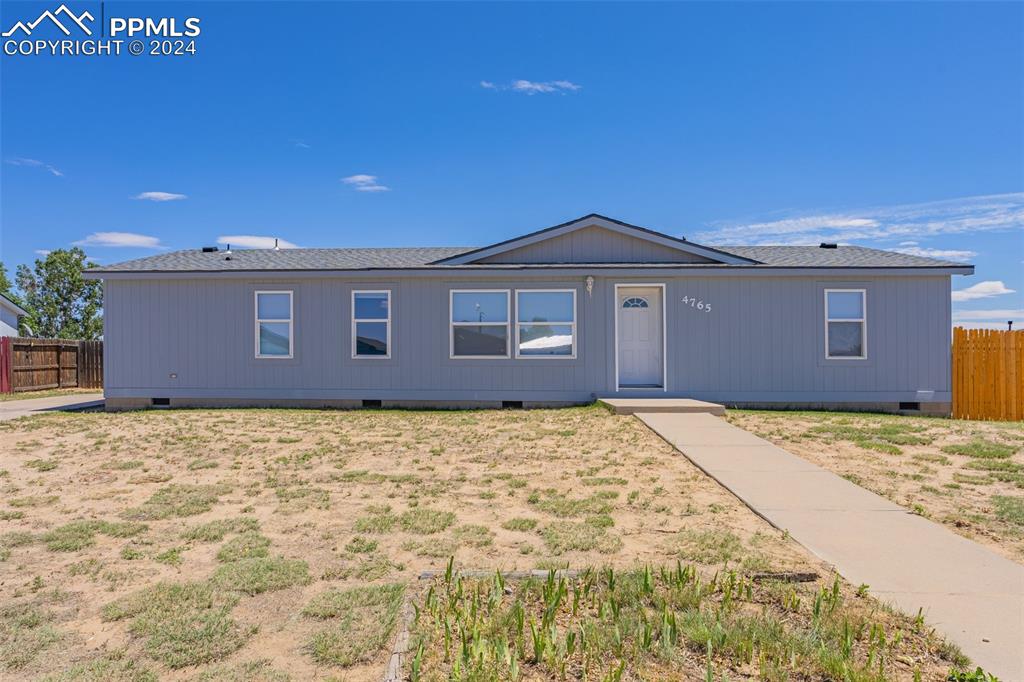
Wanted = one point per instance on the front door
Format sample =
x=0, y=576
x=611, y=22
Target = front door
x=639, y=336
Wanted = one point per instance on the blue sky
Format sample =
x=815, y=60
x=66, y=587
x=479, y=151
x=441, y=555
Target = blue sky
x=889, y=125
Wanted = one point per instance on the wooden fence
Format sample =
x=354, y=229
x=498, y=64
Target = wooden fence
x=41, y=364
x=988, y=374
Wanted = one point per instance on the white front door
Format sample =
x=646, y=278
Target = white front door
x=639, y=336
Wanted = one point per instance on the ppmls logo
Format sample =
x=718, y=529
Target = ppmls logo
x=166, y=36
x=69, y=17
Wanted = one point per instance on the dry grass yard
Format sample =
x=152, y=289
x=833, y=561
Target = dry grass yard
x=270, y=545
x=966, y=475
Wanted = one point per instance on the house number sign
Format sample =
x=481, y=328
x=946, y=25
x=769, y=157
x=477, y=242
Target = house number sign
x=693, y=302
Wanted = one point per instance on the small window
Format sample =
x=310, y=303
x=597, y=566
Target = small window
x=845, y=324
x=479, y=323
x=371, y=324
x=273, y=324
x=635, y=302
x=545, y=323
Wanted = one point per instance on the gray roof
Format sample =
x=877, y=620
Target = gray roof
x=840, y=257
x=194, y=260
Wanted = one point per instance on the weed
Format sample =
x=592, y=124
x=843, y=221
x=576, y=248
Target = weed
x=423, y=521
x=980, y=448
x=177, y=500
x=362, y=620
x=580, y=537
x=711, y=546
x=361, y=545
x=171, y=557
x=183, y=624
x=1009, y=508
x=262, y=574
x=214, y=531
x=112, y=668
x=474, y=536
x=248, y=545
x=42, y=465
x=379, y=519
x=25, y=632
x=520, y=524
x=260, y=670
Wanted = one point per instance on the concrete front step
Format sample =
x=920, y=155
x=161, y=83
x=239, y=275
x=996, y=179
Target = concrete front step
x=679, y=405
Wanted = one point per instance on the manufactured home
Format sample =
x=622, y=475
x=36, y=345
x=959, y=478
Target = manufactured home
x=590, y=308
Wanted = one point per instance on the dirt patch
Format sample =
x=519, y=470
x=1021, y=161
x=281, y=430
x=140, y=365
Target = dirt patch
x=197, y=544
x=967, y=475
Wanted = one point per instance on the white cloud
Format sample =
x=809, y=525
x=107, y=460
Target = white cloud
x=909, y=222
x=161, y=196
x=365, y=183
x=534, y=87
x=982, y=290
x=251, y=241
x=118, y=239
x=1003, y=314
x=941, y=254
x=300, y=144
x=42, y=252
x=34, y=163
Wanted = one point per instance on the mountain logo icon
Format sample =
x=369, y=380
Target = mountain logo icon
x=69, y=16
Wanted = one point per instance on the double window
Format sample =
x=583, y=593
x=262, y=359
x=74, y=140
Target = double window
x=479, y=323
x=546, y=323
x=274, y=324
x=846, y=324
x=371, y=324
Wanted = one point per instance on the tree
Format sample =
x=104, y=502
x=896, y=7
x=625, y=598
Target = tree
x=6, y=286
x=61, y=304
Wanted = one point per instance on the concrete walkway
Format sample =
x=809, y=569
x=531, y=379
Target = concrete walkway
x=12, y=409
x=972, y=595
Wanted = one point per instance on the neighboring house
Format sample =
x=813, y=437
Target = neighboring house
x=9, y=314
x=590, y=308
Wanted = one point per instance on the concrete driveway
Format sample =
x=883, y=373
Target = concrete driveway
x=12, y=409
x=972, y=595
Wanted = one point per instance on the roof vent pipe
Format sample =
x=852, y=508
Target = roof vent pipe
x=828, y=245
x=227, y=254
x=276, y=247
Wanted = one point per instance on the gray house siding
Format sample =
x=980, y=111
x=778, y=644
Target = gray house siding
x=595, y=245
x=8, y=321
x=762, y=341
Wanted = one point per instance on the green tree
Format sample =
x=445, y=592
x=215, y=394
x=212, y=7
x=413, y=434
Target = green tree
x=6, y=286
x=62, y=304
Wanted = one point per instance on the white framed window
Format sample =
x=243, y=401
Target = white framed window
x=479, y=323
x=274, y=324
x=371, y=324
x=545, y=323
x=846, y=324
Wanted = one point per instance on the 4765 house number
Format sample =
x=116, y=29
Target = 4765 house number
x=693, y=302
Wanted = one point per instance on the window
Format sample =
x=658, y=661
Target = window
x=845, y=324
x=545, y=323
x=371, y=324
x=273, y=324
x=479, y=323
x=635, y=302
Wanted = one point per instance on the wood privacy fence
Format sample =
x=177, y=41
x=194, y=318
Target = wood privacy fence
x=988, y=374
x=40, y=364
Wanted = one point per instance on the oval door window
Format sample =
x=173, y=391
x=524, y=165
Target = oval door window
x=635, y=302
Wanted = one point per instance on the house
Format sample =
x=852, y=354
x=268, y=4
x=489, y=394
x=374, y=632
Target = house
x=9, y=314
x=590, y=308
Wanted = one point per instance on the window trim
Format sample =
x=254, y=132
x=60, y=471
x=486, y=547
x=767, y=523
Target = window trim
x=290, y=321
x=452, y=324
x=355, y=321
x=863, y=319
x=572, y=324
